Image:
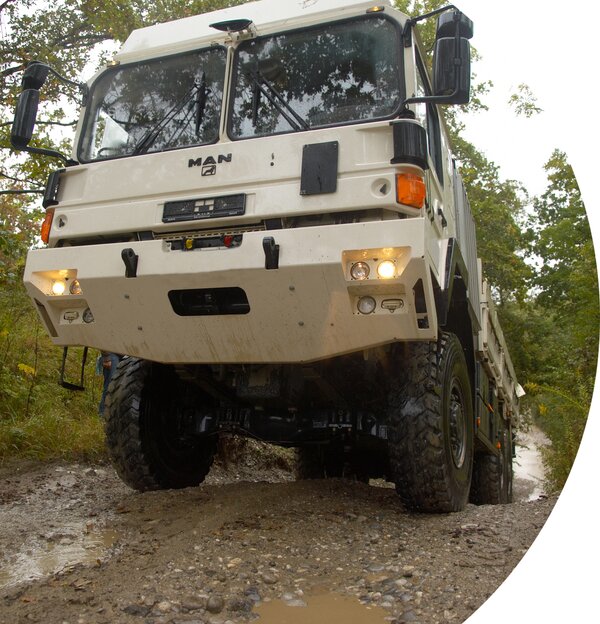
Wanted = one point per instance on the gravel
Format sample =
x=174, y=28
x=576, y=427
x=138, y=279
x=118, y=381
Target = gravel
x=215, y=553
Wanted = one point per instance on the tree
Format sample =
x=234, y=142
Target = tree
x=567, y=280
x=566, y=290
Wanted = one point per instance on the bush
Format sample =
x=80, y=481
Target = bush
x=38, y=418
x=562, y=415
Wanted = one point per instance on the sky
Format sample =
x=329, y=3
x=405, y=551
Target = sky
x=551, y=50
x=552, y=47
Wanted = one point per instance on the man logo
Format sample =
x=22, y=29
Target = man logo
x=209, y=164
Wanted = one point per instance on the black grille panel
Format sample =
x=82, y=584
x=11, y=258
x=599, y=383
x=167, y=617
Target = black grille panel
x=209, y=301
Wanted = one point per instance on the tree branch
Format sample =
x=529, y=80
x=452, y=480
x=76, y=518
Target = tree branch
x=77, y=41
x=6, y=3
x=5, y=175
x=9, y=71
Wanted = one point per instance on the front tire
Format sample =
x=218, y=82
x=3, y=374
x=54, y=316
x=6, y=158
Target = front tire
x=431, y=427
x=146, y=429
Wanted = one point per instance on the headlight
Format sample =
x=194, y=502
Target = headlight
x=75, y=288
x=366, y=305
x=386, y=269
x=58, y=287
x=360, y=271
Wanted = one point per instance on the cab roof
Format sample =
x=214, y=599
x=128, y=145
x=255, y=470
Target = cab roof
x=267, y=16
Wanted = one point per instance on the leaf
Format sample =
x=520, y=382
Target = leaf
x=25, y=368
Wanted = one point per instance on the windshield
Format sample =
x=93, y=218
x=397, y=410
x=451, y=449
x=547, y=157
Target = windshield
x=155, y=105
x=329, y=74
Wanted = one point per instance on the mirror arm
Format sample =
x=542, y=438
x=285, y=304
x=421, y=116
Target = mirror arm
x=76, y=85
x=431, y=99
x=45, y=152
x=82, y=86
x=408, y=25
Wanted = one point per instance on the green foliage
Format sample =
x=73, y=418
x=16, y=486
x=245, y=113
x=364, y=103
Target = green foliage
x=567, y=279
x=118, y=19
x=498, y=207
x=524, y=102
x=566, y=289
x=562, y=413
x=38, y=418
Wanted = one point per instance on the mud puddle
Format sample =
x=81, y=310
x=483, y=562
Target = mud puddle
x=528, y=464
x=73, y=545
x=235, y=549
x=320, y=609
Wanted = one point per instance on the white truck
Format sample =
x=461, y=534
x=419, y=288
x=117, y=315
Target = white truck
x=262, y=213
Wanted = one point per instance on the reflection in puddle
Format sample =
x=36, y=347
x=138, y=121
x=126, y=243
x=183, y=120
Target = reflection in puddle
x=321, y=609
x=75, y=544
x=528, y=463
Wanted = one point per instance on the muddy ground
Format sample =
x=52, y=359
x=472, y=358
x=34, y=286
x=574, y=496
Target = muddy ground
x=78, y=546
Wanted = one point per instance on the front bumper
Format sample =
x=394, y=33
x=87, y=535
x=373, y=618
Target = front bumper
x=305, y=310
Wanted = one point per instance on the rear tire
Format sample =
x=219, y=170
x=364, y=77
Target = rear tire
x=431, y=427
x=145, y=429
x=488, y=487
x=507, y=449
x=493, y=475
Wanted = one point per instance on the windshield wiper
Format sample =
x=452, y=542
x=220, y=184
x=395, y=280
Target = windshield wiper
x=200, y=91
x=201, y=97
x=262, y=86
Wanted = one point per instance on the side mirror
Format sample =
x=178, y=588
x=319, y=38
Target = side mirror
x=452, y=57
x=452, y=69
x=24, y=121
x=448, y=22
x=35, y=75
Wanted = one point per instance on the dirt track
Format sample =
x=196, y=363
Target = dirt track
x=77, y=546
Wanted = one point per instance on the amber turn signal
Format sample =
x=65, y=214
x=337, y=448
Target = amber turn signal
x=410, y=190
x=47, y=225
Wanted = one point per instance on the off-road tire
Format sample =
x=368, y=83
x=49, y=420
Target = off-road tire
x=430, y=422
x=488, y=486
x=508, y=466
x=492, y=476
x=141, y=430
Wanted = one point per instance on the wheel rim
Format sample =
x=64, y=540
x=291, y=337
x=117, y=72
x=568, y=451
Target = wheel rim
x=458, y=427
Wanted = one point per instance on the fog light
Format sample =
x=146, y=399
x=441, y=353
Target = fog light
x=75, y=288
x=58, y=287
x=366, y=305
x=88, y=317
x=360, y=271
x=386, y=269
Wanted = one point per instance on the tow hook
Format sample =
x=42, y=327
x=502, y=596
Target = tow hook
x=130, y=259
x=271, y=253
